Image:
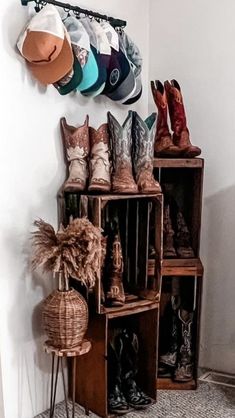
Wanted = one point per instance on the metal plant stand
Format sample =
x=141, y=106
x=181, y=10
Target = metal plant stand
x=73, y=353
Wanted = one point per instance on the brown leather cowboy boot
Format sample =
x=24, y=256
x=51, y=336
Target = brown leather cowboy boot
x=115, y=295
x=178, y=120
x=99, y=159
x=76, y=143
x=143, y=133
x=182, y=239
x=121, y=140
x=168, y=234
x=163, y=146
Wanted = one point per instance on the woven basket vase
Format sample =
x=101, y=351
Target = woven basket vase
x=65, y=318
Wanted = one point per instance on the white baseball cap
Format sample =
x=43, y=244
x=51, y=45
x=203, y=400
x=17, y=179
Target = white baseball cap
x=45, y=45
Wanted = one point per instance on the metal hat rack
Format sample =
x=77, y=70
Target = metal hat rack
x=117, y=23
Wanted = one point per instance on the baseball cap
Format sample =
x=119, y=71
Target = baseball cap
x=111, y=34
x=82, y=51
x=71, y=80
x=81, y=46
x=126, y=84
x=134, y=56
x=102, y=53
x=45, y=45
x=117, y=71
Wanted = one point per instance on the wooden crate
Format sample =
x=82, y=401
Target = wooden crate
x=138, y=215
x=92, y=369
x=191, y=288
x=182, y=181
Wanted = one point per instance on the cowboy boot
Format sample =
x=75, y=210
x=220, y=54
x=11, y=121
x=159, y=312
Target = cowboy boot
x=182, y=239
x=168, y=234
x=184, y=370
x=170, y=358
x=115, y=295
x=178, y=120
x=117, y=403
x=135, y=397
x=163, y=145
x=76, y=143
x=99, y=159
x=143, y=151
x=121, y=140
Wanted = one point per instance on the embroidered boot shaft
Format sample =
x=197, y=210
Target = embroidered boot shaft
x=115, y=295
x=178, y=120
x=170, y=358
x=143, y=133
x=121, y=143
x=168, y=234
x=184, y=370
x=163, y=145
x=134, y=395
x=99, y=159
x=76, y=143
x=182, y=238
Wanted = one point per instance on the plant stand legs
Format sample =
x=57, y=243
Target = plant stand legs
x=54, y=381
x=60, y=354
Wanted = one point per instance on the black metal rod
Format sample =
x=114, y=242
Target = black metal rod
x=52, y=382
x=55, y=388
x=65, y=392
x=113, y=21
x=74, y=385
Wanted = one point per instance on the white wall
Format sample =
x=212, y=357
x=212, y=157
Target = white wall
x=190, y=41
x=193, y=42
x=31, y=172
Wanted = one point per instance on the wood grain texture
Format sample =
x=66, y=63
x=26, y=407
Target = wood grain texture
x=168, y=384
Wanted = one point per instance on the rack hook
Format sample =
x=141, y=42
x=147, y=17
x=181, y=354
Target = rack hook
x=67, y=10
x=37, y=6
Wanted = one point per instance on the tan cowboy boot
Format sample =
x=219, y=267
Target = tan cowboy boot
x=183, y=238
x=178, y=120
x=115, y=295
x=143, y=133
x=76, y=142
x=121, y=139
x=163, y=146
x=168, y=234
x=99, y=159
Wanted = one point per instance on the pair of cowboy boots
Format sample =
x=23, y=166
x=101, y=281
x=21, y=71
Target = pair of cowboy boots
x=87, y=154
x=132, y=154
x=124, y=393
x=178, y=360
x=169, y=96
x=176, y=243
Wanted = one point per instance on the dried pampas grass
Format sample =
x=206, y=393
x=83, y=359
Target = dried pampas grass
x=75, y=250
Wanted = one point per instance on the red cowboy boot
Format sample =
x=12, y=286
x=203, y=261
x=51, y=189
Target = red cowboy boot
x=178, y=120
x=163, y=140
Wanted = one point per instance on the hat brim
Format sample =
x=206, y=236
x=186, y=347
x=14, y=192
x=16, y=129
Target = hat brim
x=134, y=98
x=126, y=87
x=53, y=71
x=95, y=93
x=135, y=95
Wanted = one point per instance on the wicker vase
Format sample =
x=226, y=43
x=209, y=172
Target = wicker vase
x=65, y=317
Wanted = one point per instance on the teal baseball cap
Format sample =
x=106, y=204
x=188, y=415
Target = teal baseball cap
x=102, y=52
x=80, y=42
x=90, y=72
